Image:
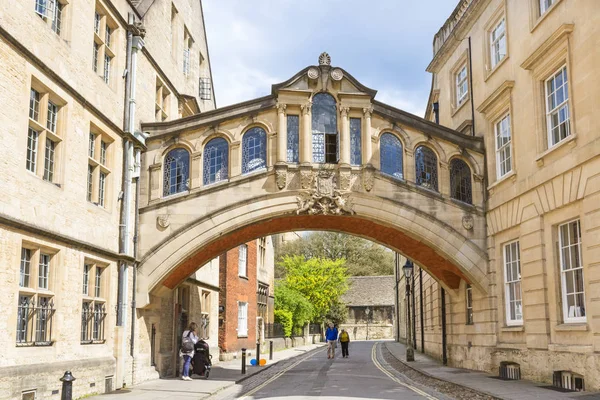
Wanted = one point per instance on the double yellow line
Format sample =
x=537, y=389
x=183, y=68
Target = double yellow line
x=398, y=381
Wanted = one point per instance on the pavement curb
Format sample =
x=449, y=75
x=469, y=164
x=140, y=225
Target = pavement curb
x=442, y=379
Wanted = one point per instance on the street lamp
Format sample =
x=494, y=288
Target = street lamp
x=408, y=270
x=367, y=311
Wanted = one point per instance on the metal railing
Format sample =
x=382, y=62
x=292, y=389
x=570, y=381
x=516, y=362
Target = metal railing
x=314, y=329
x=92, y=323
x=34, y=322
x=274, y=330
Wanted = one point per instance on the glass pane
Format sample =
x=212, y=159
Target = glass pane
x=216, y=161
x=460, y=181
x=355, y=141
x=426, y=168
x=391, y=155
x=324, y=114
x=569, y=283
x=293, y=138
x=176, y=171
x=580, y=301
x=254, y=150
x=578, y=277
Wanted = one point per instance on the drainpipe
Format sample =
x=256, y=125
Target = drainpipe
x=444, y=340
x=421, y=309
x=414, y=315
x=471, y=88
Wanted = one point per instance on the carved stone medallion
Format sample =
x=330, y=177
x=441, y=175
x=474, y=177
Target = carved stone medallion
x=324, y=59
x=306, y=179
x=336, y=74
x=368, y=175
x=324, y=198
x=281, y=177
x=313, y=73
x=163, y=221
x=467, y=222
x=345, y=179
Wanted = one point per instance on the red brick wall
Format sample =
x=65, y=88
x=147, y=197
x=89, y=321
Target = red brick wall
x=233, y=289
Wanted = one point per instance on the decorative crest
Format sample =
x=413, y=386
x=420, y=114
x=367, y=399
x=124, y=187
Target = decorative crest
x=325, y=198
x=324, y=59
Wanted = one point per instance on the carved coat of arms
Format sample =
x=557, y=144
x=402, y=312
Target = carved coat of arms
x=324, y=198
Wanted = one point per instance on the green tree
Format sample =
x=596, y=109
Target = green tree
x=288, y=299
x=363, y=257
x=338, y=313
x=321, y=281
x=284, y=318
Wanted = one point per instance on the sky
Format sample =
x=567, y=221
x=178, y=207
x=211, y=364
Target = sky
x=385, y=44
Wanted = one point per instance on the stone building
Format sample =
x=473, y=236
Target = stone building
x=246, y=281
x=520, y=75
x=371, y=307
x=77, y=78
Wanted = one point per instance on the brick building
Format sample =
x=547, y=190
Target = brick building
x=246, y=295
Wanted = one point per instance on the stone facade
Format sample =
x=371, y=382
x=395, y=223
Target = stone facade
x=53, y=222
x=549, y=181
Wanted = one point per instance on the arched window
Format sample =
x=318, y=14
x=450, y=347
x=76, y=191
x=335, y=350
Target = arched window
x=426, y=168
x=176, y=171
x=460, y=181
x=390, y=154
x=254, y=150
x=216, y=161
x=324, y=129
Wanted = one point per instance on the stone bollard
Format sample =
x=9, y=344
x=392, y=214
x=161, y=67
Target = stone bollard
x=67, y=386
x=270, y=349
x=243, y=361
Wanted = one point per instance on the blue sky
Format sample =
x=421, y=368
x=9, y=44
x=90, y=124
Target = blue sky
x=385, y=44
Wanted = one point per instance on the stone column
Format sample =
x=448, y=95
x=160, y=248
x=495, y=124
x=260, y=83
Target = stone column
x=306, y=135
x=281, y=134
x=345, y=139
x=367, y=148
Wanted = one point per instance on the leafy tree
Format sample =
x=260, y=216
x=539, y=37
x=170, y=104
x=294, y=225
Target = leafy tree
x=338, y=313
x=363, y=257
x=288, y=299
x=284, y=318
x=321, y=281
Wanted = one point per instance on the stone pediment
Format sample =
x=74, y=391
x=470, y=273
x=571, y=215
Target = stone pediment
x=324, y=77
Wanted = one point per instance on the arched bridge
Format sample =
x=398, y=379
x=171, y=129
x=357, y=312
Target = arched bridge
x=318, y=153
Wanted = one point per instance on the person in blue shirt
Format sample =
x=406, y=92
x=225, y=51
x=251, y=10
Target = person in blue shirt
x=331, y=336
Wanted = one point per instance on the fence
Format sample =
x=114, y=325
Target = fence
x=314, y=329
x=92, y=323
x=34, y=322
x=274, y=331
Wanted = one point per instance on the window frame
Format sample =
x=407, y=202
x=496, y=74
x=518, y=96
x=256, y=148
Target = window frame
x=242, y=329
x=99, y=162
x=181, y=169
x=250, y=148
x=508, y=284
x=94, y=303
x=355, y=141
x=243, y=260
x=323, y=140
x=565, y=104
x=468, y=190
x=215, y=149
x=429, y=183
x=494, y=40
x=383, y=152
x=563, y=272
x=459, y=83
x=293, y=146
x=106, y=31
x=499, y=162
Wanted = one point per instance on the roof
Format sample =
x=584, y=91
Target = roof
x=370, y=291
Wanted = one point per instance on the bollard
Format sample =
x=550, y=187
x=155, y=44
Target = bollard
x=67, y=386
x=243, y=361
x=270, y=349
x=258, y=354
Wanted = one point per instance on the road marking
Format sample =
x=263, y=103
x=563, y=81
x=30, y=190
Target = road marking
x=267, y=382
x=392, y=377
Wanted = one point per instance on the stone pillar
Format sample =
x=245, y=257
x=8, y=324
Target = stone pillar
x=306, y=134
x=345, y=139
x=281, y=134
x=367, y=148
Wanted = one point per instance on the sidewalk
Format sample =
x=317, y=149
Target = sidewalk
x=222, y=375
x=483, y=382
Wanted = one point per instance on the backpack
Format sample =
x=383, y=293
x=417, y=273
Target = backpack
x=344, y=337
x=187, y=345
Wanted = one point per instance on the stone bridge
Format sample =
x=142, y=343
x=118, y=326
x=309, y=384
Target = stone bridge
x=318, y=153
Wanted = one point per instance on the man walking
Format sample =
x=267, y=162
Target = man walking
x=331, y=335
x=344, y=341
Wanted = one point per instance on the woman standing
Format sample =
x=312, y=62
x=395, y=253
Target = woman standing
x=188, y=340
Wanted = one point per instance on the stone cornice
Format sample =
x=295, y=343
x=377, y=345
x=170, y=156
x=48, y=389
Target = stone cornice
x=545, y=47
x=496, y=94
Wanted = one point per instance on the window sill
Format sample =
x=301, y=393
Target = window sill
x=572, y=327
x=572, y=139
x=544, y=15
x=430, y=191
x=243, y=277
x=86, y=342
x=456, y=109
x=491, y=72
x=512, y=175
x=512, y=328
x=242, y=336
x=36, y=344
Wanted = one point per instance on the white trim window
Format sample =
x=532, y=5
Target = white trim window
x=498, y=43
x=243, y=260
x=557, y=107
x=512, y=279
x=503, y=146
x=107, y=66
x=545, y=5
x=571, y=268
x=462, y=86
x=242, y=329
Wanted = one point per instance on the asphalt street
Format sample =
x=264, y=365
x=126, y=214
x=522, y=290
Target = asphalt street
x=363, y=375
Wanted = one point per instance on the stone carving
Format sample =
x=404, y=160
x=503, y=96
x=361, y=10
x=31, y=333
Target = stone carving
x=367, y=112
x=313, y=73
x=324, y=59
x=336, y=74
x=324, y=198
x=163, y=221
x=368, y=178
x=344, y=111
x=306, y=108
x=281, y=108
x=345, y=178
x=306, y=178
x=281, y=177
x=467, y=222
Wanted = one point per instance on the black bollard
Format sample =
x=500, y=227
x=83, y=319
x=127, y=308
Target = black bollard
x=67, y=386
x=258, y=354
x=243, y=361
x=270, y=349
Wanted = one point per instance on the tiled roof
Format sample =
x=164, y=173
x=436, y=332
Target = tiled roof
x=370, y=291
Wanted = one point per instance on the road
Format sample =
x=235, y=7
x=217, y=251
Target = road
x=364, y=375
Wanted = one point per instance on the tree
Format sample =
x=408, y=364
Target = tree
x=289, y=299
x=363, y=257
x=321, y=281
x=338, y=313
x=284, y=318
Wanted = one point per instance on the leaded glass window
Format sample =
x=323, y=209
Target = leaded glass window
x=216, y=161
x=460, y=181
x=324, y=128
x=390, y=150
x=176, y=171
x=254, y=150
x=355, y=141
x=293, y=138
x=426, y=168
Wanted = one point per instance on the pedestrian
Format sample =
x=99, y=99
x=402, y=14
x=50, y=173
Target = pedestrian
x=188, y=340
x=344, y=341
x=331, y=335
